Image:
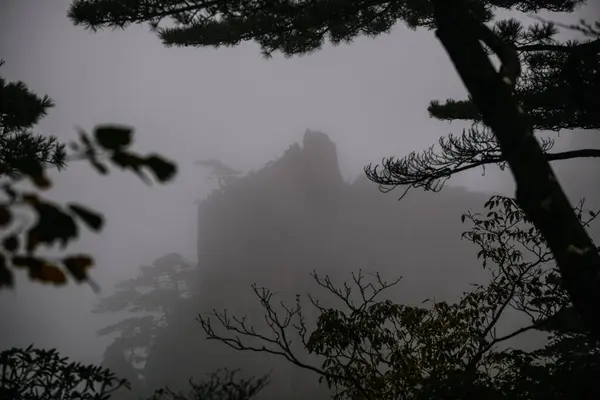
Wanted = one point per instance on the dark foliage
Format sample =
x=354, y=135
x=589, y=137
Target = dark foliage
x=20, y=111
x=556, y=89
x=55, y=224
x=538, y=193
x=475, y=147
x=27, y=220
x=221, y=385
x=37, y=374
x=288, y=26
x=370, y=347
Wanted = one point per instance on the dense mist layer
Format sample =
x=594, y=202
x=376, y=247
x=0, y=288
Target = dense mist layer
x=309, y=208
x=276, y=225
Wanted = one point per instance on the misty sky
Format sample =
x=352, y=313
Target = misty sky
x=370, y=97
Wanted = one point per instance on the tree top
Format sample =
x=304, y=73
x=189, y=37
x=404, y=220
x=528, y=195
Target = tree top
x=291, y=27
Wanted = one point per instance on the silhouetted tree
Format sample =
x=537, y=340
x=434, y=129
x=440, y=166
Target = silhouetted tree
x=37, y=374
x=20, y=111
x=221, y=385
x=286, y=26
x=152, y=295
x=556, y=88
x=24, y=155
x=373, y=348
x=538, y=192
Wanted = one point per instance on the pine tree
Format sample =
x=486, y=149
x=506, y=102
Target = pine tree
x=556, y=97
x=557, y=89
x=150, y=297
x=20, y=110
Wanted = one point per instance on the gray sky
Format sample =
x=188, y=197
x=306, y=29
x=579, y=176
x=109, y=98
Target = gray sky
x=230, y=104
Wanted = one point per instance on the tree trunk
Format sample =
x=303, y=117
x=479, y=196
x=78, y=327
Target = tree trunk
x=538, y=193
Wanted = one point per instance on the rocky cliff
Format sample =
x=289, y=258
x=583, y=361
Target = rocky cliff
x=295, y=215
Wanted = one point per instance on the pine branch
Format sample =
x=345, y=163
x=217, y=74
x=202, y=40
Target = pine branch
x=538, y=192
x=287, y=26
x=431, y=168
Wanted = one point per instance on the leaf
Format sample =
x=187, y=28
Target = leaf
x=48, y=273
x=163, y=170
x=78, y=266
x=129, y=160
x=40, y=269
x=11, y=243
x=41, y=181
x=92, y=219
x=113, y=137
x=33, y=240
x=34, y=170
x=5, y=216
x=53, y=225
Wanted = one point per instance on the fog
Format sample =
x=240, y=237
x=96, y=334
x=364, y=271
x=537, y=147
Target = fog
x=369, y=98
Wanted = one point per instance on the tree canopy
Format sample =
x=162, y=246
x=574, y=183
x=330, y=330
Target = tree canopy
x=288, y=26
x=150, y=297
x=556, y=88
x=39, y=374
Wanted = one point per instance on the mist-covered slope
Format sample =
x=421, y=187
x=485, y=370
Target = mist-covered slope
x=276, y=225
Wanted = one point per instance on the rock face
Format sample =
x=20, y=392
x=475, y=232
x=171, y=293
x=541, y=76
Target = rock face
x=274, y=226
x=320, y=157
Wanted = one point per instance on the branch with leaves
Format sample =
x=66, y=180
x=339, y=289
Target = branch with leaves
x=54, y=224
x=430, y=169
x=374, y=348
x=20, y=111
x=27, y=220
x=557, y=88
x=221, y=385
x=39, y=374
x=538, y=192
